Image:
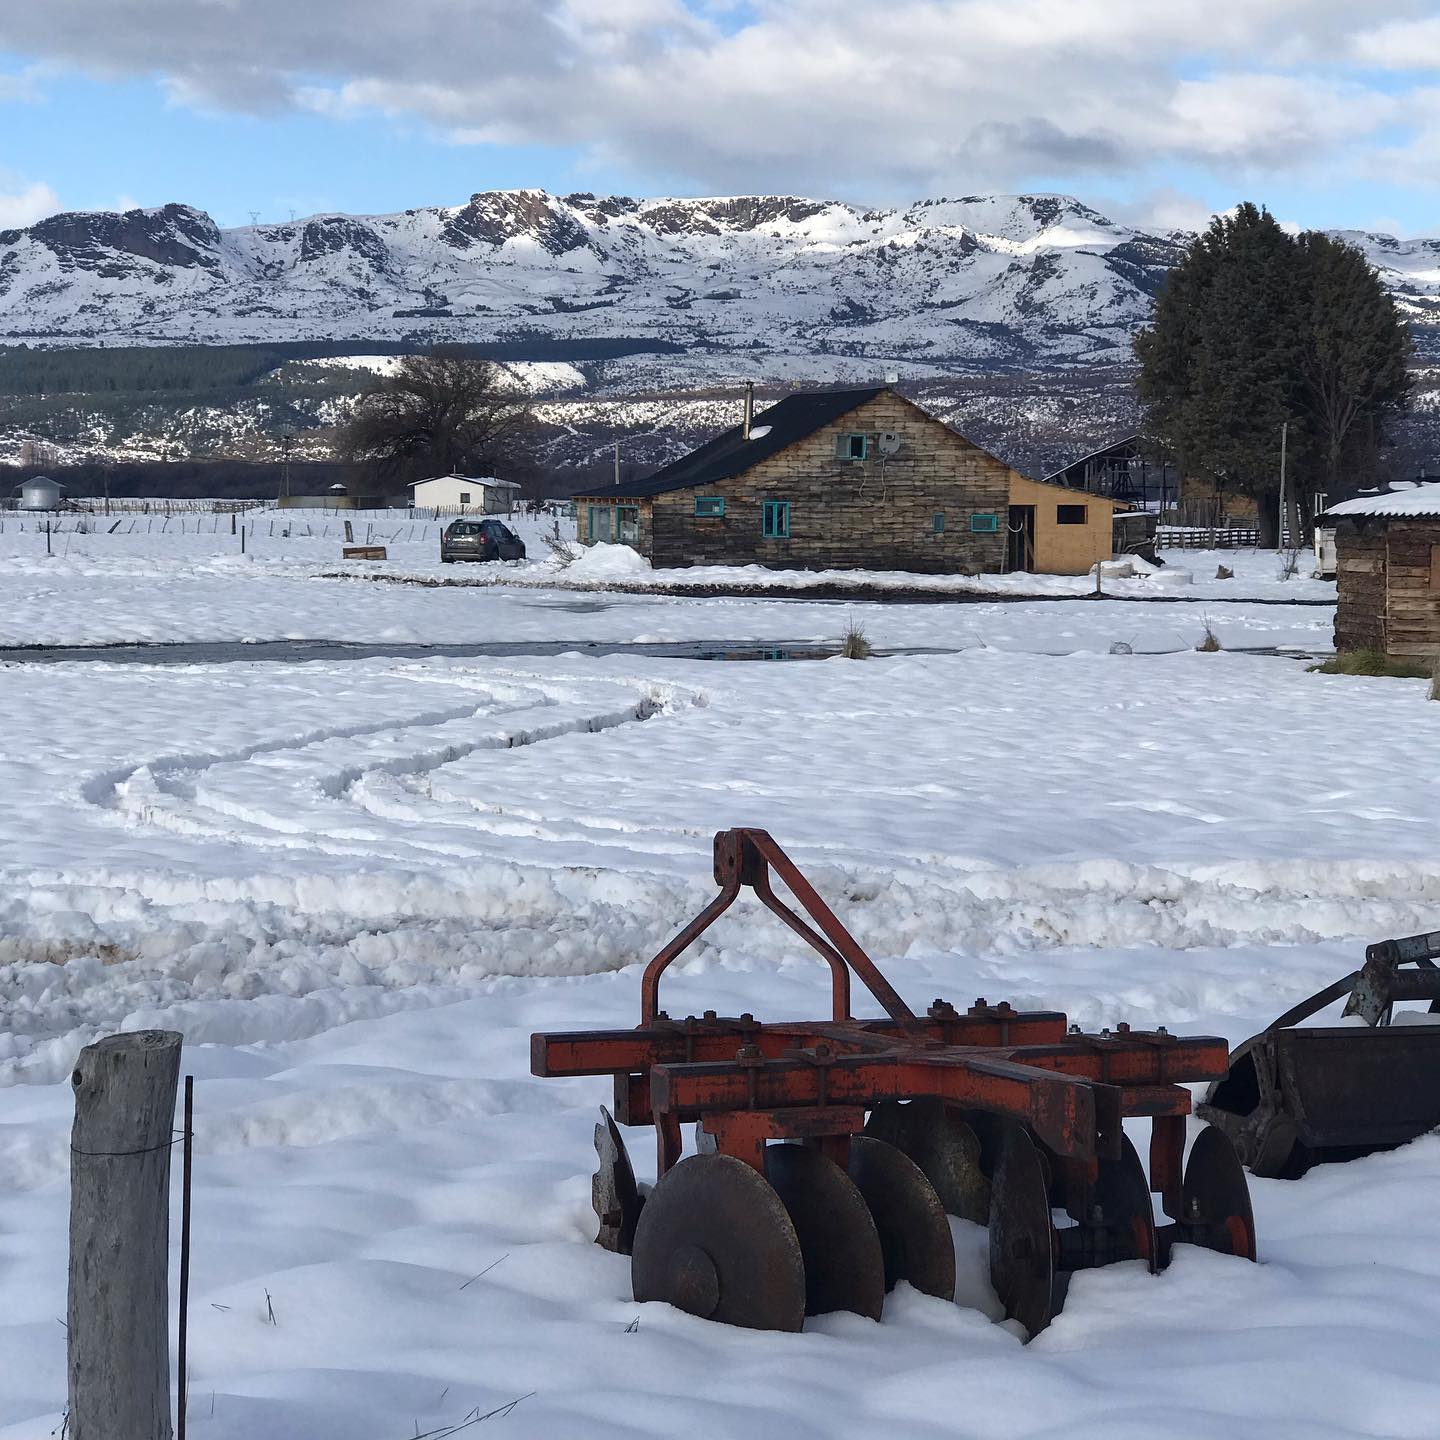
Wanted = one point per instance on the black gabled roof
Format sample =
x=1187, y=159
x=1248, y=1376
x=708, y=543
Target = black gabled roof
x=730, y=454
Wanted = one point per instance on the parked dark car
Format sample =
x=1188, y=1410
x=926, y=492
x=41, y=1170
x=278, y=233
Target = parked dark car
x=467, y=539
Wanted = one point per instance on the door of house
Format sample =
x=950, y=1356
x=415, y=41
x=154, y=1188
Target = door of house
x=1020, y=542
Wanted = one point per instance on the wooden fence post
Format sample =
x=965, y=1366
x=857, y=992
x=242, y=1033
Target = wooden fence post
x=119, y=1308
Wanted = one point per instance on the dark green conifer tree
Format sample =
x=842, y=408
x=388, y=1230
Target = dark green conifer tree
x=1256, y=330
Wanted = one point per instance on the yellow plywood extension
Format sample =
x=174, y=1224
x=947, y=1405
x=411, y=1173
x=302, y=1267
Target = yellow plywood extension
x=1073, y=529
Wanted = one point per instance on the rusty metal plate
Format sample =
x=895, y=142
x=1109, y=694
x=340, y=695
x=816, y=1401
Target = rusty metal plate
x=938, y=1139
x=844, y=1265
x=613, y=1191
x=1215, y=1208
x=1022, y=1261
x=715, y=1241
x=914, y=1233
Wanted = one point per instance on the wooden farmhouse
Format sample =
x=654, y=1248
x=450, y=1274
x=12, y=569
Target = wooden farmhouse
x=850, y=479
x=1387, y=554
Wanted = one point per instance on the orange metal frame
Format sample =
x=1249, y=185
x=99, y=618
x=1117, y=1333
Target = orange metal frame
x=748, y=1083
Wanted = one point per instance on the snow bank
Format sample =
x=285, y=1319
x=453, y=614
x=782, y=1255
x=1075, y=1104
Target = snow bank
x=607, y=562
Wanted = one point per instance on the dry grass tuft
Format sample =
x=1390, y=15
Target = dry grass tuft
x=564, y=552
x=854, y=645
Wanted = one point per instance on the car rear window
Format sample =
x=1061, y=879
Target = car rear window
x=460, y=528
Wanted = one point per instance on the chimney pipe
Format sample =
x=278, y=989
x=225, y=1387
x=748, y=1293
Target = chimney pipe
x=749, y=408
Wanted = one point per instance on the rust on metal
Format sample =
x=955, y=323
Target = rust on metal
x=985, y=1105
x=1295, y=1097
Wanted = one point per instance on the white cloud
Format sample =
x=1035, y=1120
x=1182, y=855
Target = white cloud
x=1401, y=45
x=879, y=98
x=1268, y=120
x=26, y=205
x=1159, y=210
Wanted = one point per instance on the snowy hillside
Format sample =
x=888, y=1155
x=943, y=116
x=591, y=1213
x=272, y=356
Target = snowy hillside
x=985, y=282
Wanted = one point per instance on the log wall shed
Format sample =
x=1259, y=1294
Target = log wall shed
x=850, y=479
x=1388, y=572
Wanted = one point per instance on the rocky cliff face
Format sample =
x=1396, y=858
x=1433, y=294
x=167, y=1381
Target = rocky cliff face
x=768, y=286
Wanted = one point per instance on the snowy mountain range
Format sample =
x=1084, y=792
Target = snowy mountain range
x=769, y=287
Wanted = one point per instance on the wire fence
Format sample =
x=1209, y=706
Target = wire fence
x=145, y=505
x=271, y=525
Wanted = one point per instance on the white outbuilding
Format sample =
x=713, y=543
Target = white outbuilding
x=39, y=492
x=462, y=493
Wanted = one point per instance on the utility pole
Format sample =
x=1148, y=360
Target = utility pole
x=1280, y=529
x=287, y=439
x=617, y=464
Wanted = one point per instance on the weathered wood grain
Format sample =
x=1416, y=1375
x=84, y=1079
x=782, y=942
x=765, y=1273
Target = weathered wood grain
x=119, y=1313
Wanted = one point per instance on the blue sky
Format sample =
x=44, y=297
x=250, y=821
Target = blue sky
x=1326, y=111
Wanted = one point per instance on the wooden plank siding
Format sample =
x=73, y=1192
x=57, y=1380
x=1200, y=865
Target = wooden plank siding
x=1388, y=575
x=1066, y=549
x=878, y=513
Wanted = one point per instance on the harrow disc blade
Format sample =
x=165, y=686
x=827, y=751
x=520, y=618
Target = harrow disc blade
x=1122, y=1195
x=613, y=1191
x=938, y=1139
x=1215, y=1199
x=1022, y=1255
x=844, y=1265
x=914, y=1233
x=715, y=1241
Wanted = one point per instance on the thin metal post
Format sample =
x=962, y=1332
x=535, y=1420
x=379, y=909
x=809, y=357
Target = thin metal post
x=1280, y=530
x=183, y=1391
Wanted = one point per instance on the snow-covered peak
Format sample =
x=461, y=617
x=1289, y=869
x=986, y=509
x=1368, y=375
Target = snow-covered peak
x=979, y=281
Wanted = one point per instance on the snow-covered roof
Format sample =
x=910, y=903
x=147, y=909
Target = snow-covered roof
x=483, y=481
x=1423, y=501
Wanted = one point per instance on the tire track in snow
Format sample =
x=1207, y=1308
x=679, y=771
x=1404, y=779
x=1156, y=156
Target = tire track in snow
x=317, y=792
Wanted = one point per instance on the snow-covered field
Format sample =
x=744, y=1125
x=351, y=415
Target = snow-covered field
x=358, y=885
x=190, y=582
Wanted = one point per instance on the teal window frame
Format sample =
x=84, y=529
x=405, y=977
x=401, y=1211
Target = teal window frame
x=984, y=523
x=775, y=519
x=845, y=447
x=607, y=514
x=709, y=507
x=937, y=523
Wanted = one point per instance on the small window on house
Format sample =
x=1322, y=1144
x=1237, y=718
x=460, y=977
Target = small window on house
x=937, y=522
x=627, y=524
x=981, y=524
x=852, y=447
x=1070, y=514
x=464, y=497
x=709, y=506
x=602, y=523
x=775, y=520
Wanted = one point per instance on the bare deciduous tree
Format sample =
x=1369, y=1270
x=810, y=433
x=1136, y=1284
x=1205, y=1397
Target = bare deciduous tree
x=438, y=414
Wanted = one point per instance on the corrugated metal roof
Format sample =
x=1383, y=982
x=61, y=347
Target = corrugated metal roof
x=1420, y=503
